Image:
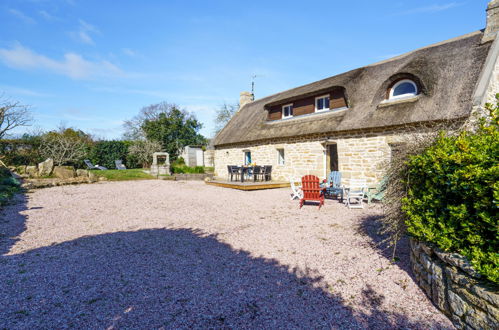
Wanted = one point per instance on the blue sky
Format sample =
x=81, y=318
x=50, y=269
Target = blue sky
x=92, y=63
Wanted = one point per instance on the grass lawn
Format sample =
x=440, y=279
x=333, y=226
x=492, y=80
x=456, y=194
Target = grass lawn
x=123, y=175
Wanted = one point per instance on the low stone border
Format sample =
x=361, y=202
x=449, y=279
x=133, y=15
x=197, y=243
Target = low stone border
x=192, y=176
x=53, y=182
x=455, y=288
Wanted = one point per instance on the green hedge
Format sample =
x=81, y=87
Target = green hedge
x=453, y=196
x=105, y=153
x=24, y=151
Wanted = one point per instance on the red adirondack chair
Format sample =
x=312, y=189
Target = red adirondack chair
x=312, y=190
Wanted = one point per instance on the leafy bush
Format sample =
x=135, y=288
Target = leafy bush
x=453, y=194
x=178, y=162
x=23, y=151
x=8, y=185
x=179, y=169
x=105, y=153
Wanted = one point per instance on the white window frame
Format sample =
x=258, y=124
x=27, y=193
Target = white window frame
x=279, y=158
x=403, y=96
x=322, y=97
x=291, y=110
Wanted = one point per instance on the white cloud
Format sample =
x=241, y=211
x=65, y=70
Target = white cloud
x=85, y=30
x=431, y=8
x=47, y=16
x=72, y=65
x=129, y=52
x=23, y=17
x=22, y=91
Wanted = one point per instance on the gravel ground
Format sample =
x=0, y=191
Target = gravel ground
x=160, y=254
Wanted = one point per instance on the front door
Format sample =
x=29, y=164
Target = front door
x=331, y=158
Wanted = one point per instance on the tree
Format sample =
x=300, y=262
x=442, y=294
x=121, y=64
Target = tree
x=66, y=146
x=141, y=152
x=13, y=115
x=165, y=123
x=224, y=114
x=133, y=127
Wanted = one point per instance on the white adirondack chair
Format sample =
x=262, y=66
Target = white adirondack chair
x=355, y=194
x=296, y=189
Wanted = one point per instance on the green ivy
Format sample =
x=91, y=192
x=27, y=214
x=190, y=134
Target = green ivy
x=453, y=195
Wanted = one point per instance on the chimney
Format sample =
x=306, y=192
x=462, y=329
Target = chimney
x=247, y=97
x=492, y=21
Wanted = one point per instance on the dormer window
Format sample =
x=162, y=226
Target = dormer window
x=287, y=111
x=322, y=103
x=403, y=89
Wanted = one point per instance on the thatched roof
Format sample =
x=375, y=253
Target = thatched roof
x=447, y=73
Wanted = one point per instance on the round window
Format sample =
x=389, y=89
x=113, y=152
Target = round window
x=402, y=89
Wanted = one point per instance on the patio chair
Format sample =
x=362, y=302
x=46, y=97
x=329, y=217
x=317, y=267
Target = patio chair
x=92, y=166
x=257, y=172
x=312, y=191
x=356, y=192
x=333, y=185
x=119, y=165
x=231, y=172
x=267, y=173
x=378, y=192
x=296, y=191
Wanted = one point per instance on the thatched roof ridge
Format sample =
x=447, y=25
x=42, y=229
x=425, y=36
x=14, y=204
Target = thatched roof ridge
x=447, y=73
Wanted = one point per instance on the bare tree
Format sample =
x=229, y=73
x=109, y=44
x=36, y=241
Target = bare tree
x=224, y=114
x=417, y=138
x=133, y=127
x=142, y=151
x=68, y=146
x=12, y=115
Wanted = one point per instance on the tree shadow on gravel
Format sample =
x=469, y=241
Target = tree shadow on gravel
x=165, y=278
x=371, y=226
x=12, y=222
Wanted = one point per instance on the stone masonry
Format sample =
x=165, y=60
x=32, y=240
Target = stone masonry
x=455, y=288
x=360, y=155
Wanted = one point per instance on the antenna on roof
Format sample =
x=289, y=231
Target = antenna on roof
x=253, y=82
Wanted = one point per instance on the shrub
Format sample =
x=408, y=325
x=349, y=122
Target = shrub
x=179, y=169
x=453, y=194
x=67, y=146
x=105, y=153
x=23, y=151
x=8, y=185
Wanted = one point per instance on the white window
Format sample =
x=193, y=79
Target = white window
x=322, y=103
x=287, y=111
x=403, y=89
x=280, y=156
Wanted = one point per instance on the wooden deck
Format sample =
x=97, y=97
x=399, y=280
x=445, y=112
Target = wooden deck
x=249, y=185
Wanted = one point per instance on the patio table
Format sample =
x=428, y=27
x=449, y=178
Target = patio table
x=245, y=169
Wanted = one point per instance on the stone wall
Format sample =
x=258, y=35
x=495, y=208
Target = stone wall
x=455, y=288
x=360, y=155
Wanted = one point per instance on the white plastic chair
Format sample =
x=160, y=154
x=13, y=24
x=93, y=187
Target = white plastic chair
x=356, y=192
x=296, y=189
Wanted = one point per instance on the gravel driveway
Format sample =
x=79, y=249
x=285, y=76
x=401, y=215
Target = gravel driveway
x=161, y=254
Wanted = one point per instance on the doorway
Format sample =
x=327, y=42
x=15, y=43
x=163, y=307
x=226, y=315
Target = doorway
x=331, y=158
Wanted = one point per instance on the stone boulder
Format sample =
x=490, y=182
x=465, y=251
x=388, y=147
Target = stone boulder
x=82, y=173
x=21, y=169
x=92, y=177
x=64, y=172
x=45, y=168
x=32, y=171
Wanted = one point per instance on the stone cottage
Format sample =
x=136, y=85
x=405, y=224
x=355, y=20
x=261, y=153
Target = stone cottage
x=352, y=122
